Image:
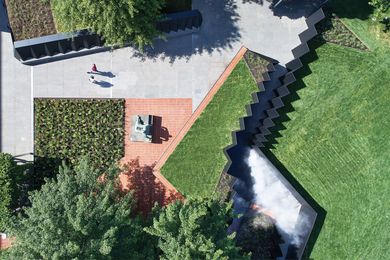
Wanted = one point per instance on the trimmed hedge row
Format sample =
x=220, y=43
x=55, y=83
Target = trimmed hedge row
x=66, y=129
x=7, y=164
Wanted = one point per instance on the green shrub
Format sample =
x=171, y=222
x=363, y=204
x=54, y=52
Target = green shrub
x=66, y=129
x=7, y=164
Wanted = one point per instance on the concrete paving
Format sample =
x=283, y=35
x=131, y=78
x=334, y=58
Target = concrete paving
x=185, y=66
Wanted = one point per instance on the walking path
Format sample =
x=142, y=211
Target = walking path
x=183, y=67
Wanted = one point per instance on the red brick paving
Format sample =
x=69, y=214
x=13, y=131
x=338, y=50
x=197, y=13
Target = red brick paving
x=140, y=158
x=5, y=243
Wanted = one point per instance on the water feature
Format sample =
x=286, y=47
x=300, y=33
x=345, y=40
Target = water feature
x=270, y=193
x=273, y=196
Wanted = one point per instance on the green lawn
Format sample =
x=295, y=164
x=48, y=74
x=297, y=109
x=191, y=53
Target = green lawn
x=337, y=144
x=195, y=165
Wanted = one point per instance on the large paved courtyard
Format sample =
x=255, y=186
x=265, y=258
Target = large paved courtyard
x=185, y=66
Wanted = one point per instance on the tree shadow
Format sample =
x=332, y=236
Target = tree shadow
x=160, y=133
x=148, y=190
x=295, y=9
x=219, y=31
x=351, y=8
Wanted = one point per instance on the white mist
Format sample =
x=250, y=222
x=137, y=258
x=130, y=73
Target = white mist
x=272, y=195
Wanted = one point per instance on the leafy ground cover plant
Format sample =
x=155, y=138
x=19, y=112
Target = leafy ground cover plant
x=30, y=18
x=257, y=65
x=69, y=128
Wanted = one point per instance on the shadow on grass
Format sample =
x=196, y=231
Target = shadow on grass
x=293, y=96
x=359, y=9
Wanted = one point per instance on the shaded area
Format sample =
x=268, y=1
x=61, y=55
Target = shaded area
x=148, y=190
x=292, y=9
x=295, y=9
x=351, y=8
x=331, y=29
x=173, y=6
x=219, y=31
x=258, y=235
x=160, y=132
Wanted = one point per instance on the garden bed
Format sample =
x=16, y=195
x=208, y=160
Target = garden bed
x=332, y=30
x=66, y=129
x=30, y=18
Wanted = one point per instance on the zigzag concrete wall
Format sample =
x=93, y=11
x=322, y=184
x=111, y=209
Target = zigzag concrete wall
x=257, y=125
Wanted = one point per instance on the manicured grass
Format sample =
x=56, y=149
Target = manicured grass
x=337, y=144
x=70, y=128
x=197, y=162
x=30, y=18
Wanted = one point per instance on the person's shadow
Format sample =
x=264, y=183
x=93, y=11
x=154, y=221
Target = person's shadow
x=104, y=84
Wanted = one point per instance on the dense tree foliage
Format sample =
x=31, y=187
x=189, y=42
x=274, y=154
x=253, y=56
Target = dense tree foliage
x=81, y=215
x=195, y=229
x=382, y=12
x=118, y=21
x=258, y=235
x=7, y=164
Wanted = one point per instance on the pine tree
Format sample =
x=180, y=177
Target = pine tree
x=81, y=215
x=195, y=229
x=117, y=21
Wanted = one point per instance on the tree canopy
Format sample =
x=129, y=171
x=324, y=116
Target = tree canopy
x=381, y=12
x=117, y=21
x=80, y=215
x=195, y=229
x=6, y=185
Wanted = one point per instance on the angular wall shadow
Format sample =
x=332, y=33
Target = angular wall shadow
x=295, y=9
x=293, y=96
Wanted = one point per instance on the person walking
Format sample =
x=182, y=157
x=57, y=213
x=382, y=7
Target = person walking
x=94, y=68
x=92, y=79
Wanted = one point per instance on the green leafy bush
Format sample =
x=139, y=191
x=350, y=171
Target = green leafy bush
x=7, y=164
x=66, y=129
x=381, y=13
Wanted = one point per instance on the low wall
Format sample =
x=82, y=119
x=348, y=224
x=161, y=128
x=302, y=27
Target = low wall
x=69, y=43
